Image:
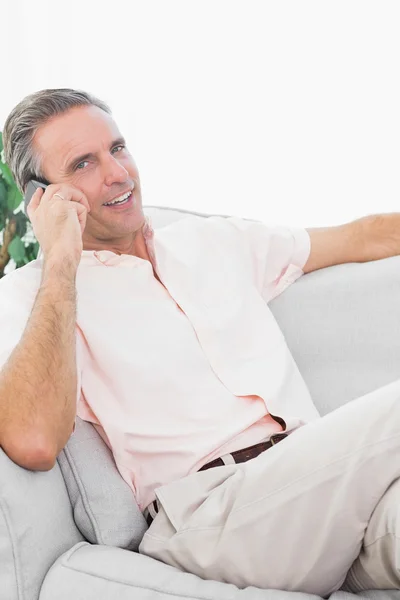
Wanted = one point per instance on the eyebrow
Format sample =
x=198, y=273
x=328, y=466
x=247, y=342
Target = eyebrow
x=75, y=161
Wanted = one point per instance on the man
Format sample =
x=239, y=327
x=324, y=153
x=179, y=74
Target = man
x=165, y=342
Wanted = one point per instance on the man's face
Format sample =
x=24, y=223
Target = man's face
x=107, y=173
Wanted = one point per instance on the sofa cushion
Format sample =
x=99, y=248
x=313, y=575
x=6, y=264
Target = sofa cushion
x=36, y=527
x=99, y=573
x=342, y=327
x=105, y=509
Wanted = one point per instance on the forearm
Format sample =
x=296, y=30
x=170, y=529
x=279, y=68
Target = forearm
x=369, y=238
x=38, y=383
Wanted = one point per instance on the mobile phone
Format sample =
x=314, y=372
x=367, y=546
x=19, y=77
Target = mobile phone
x=31, y=188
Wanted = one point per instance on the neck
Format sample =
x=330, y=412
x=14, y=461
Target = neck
x=134, y=246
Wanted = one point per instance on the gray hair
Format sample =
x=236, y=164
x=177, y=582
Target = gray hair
x=24, y=121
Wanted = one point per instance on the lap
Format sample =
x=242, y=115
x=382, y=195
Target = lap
x=294, y=517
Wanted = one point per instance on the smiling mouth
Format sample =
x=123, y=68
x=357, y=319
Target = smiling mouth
x=123, y=200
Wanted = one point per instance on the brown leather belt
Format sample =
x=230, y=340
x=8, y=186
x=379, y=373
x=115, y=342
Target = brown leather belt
x=238, y=456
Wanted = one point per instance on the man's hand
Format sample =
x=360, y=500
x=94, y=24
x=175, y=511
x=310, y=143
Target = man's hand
x=58, y=215
x=381, y=236
x=370, y=238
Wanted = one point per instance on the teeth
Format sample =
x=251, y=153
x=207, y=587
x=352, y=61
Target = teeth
x=120, y=199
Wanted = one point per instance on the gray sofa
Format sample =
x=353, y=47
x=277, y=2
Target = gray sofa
x=73, y=532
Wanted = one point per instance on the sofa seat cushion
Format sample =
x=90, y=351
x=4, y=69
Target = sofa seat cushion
x=89, y=572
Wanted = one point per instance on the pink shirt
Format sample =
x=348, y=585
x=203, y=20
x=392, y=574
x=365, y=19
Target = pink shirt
x=173, y=375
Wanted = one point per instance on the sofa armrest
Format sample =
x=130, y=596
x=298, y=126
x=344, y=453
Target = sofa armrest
x=36, y=527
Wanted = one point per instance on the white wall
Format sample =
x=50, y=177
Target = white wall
x=285, y=111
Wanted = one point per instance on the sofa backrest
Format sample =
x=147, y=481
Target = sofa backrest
x=342, y=326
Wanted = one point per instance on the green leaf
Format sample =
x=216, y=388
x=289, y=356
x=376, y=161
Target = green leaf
x=3, y=193
x=6, y=173
x=31, y=251
x=1, y=141
x=3, y=204
x=16, y=249
x=14, y=198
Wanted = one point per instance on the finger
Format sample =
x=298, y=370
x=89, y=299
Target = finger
x=80, y=208
x=82, y=215
x=83, y=200
x=74, y=195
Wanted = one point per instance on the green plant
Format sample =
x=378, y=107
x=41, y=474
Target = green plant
x=16, y=233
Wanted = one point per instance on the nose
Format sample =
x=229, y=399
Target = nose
x=114, y=172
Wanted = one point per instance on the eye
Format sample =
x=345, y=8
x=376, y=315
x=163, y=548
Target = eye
x=82, y=164
x=116, y=148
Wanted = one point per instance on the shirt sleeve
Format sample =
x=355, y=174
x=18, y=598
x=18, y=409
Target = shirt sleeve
x=278, y=254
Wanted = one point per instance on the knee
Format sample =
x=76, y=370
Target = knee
x=385, y=520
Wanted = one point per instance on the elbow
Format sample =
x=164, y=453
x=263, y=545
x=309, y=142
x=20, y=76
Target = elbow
x=40, y=462
x=30, y=456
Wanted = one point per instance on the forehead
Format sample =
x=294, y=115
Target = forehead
x=80, y=130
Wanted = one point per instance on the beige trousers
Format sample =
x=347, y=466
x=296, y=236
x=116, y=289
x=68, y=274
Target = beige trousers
x=318, y=510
